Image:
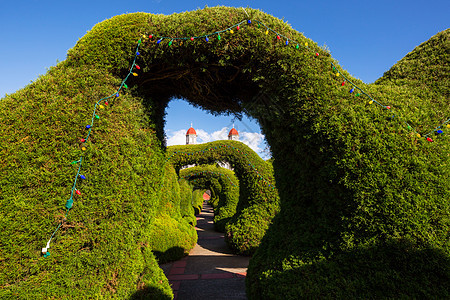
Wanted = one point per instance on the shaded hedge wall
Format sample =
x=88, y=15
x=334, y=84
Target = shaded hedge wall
x=197, y=200
x=171, y=233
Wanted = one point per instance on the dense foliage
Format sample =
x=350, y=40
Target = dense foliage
x=426, y=67
x=258, y=198
x=225, y=187
x=101, y=249
x=364, y=200
x=197, y=200
x=171, y=233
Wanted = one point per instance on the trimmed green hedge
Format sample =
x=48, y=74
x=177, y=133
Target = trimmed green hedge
x=101, y=249
x=258, y=196
x=197, y=200
x=354, y=181
x=225, y=185
x=171, y=233
x=360, y=273
x=426, y=67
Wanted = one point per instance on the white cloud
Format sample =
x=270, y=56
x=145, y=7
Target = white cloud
x=254, y=140
x=220, y=135
x=203, y=136
x=176, y=138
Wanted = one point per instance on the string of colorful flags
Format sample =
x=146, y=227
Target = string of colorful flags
x=297, y=45
x=438, y=130
x=100, y=104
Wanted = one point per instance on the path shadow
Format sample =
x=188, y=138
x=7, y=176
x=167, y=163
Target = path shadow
x=210, y=239
x=214, y=289
x=218, y=264
x=171, y=254
x=150, y=293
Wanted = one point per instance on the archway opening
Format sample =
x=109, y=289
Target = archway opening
x=180, y=115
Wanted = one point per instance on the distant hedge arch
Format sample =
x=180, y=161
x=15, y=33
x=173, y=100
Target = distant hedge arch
x=225, y=186
x=258, y=196
x=354, y=180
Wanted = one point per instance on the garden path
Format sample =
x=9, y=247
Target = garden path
x=211, y=270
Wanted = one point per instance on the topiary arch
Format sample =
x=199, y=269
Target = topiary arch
x=258, y=196
x=224, y=188
x=364, y=200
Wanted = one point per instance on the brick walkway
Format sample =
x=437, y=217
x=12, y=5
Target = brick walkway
x=211, y=271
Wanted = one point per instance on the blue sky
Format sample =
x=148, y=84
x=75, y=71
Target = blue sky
x=366, y=37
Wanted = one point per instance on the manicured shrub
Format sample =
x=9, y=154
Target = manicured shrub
x=171, y=232
x=226, y=187
x=197, y=200
x=170, y=239
x=187, y=204
x=258, y=197
x=100, y=250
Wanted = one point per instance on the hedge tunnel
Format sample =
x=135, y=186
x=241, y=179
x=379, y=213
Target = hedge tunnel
x=225, y=187
x=258, y=196
x=362, y=170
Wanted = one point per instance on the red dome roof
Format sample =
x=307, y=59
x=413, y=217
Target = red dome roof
x=233, y=132
x=191, y=131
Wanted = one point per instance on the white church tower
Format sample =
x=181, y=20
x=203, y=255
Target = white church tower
x=191, y=136
x=233, y=135
x=191, y=139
